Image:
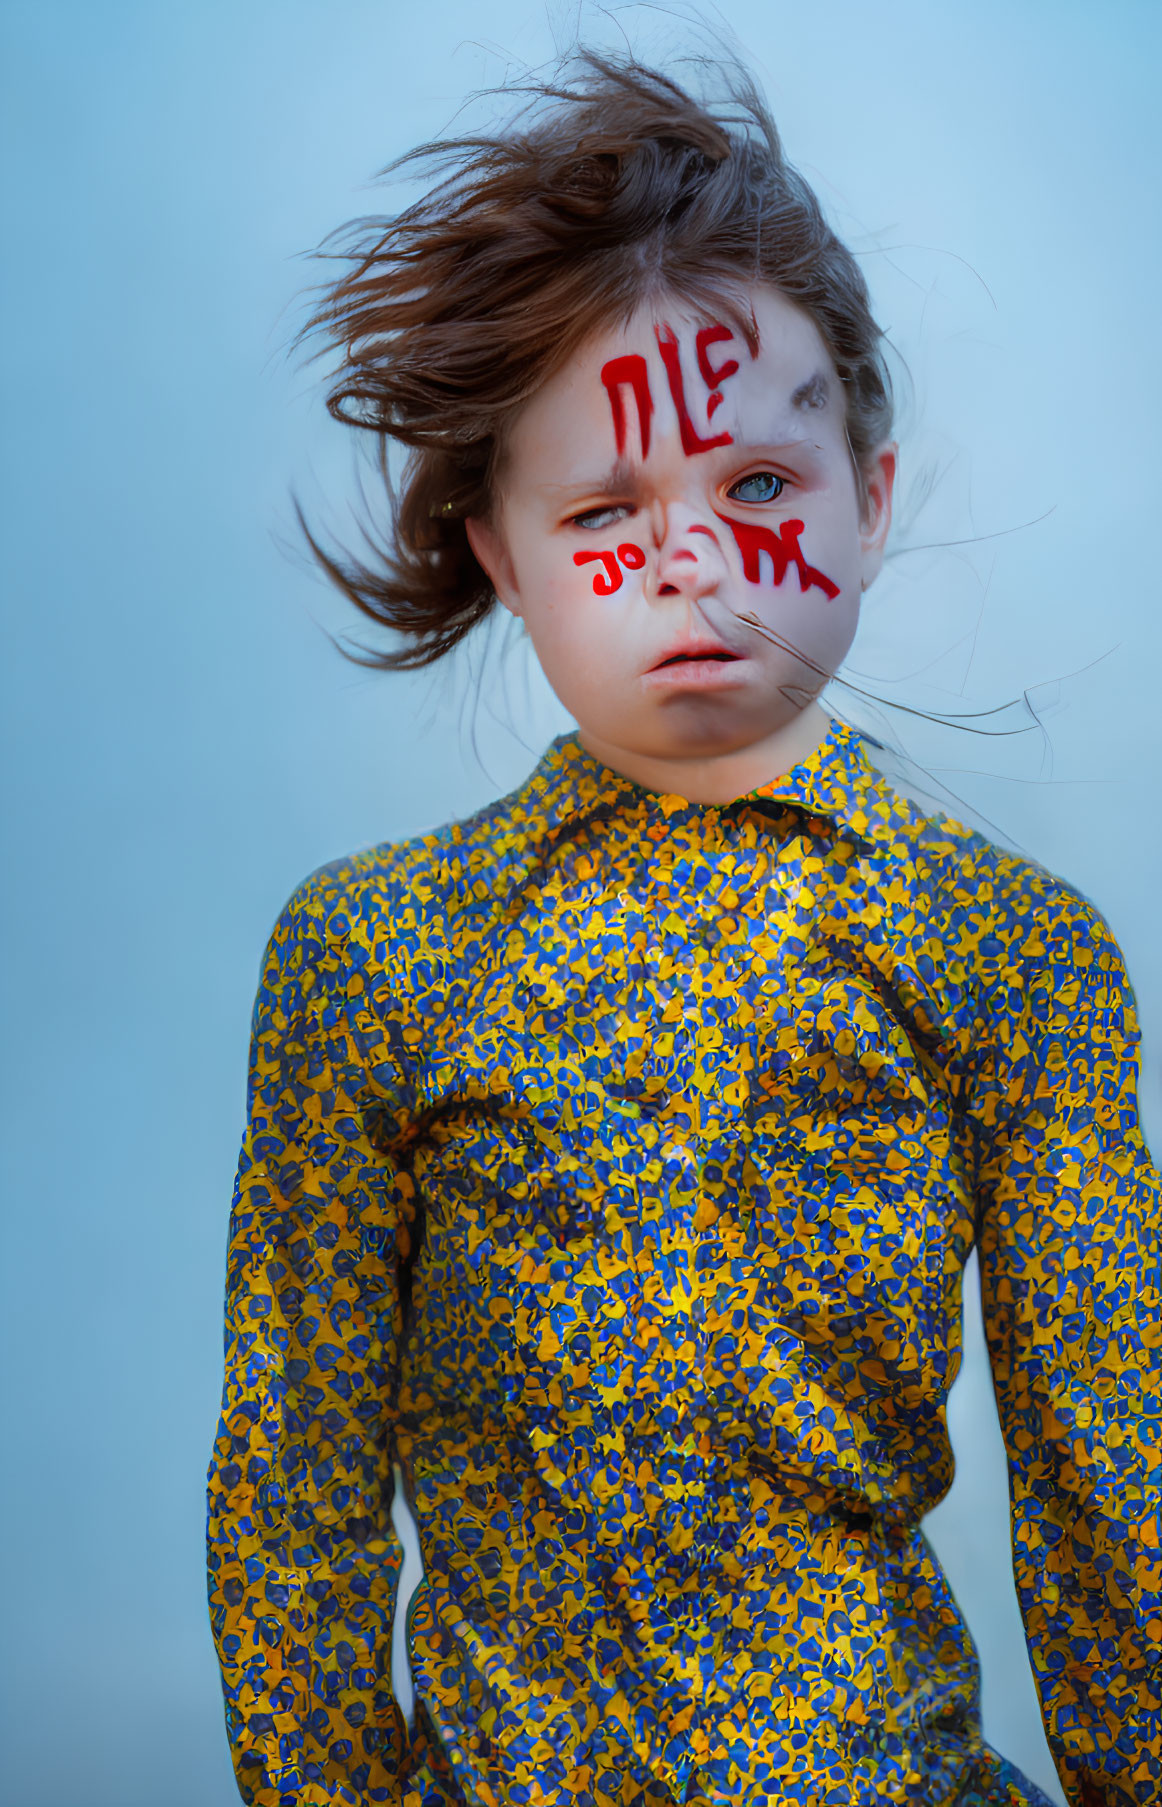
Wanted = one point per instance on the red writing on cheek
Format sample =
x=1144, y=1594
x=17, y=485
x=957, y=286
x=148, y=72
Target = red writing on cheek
x=708, y=336
x=629, y=372
x=692, y=440
x=608, y=579
x=783, y=550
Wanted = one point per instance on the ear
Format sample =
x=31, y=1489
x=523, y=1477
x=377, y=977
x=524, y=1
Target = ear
x=879, y=478
x=492, y=555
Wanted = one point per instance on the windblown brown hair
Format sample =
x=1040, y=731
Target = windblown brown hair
x=613, y=187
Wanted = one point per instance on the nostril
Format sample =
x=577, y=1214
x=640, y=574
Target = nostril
x=667, y=589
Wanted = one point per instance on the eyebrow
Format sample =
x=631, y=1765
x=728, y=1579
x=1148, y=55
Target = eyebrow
x=814, y=393
x=619, y=477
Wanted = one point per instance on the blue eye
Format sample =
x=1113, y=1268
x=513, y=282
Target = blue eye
x=760, y=486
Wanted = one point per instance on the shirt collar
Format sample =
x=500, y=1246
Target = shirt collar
x=836, y=780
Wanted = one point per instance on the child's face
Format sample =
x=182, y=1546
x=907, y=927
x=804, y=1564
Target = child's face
x=663, y=484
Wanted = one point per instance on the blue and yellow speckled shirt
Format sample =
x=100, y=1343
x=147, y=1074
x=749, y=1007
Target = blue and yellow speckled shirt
x=611, y=1166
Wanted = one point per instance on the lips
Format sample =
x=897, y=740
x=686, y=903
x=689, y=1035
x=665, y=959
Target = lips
x=696, y=651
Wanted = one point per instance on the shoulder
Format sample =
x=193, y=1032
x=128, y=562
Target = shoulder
x=1011, y=922
x=996, y=888
x=398, y=895
x=964, y=882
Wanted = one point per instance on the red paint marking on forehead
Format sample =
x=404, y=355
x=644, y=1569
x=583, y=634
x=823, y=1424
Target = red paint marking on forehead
x=705, y=338
x=708, y=336
x=783, y=549
x=692, y=440
x=631, y=371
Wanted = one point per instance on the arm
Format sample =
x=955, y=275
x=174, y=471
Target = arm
x=303, y=1560
x=1068, y=1231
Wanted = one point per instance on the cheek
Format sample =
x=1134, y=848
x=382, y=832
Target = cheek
x=580, y=584
x=820, y=632
x=815, y=552
x=802, y=583
x=574, y=612
x=774, y=555
x=609, y=565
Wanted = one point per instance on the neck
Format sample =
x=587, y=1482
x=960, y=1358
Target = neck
x=721, y=777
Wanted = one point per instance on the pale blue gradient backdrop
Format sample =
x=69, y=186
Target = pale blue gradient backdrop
x=183, y=745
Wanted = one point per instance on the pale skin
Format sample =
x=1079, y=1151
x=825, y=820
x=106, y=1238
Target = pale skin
x=617, y=559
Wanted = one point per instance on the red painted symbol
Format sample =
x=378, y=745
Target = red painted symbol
x=706, y=337
x=608, y=579
x=634, y=372
x=782, y=549
x=604, y=582
x=692, y=440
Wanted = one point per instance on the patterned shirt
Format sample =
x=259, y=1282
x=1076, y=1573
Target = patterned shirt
x=611, y=1167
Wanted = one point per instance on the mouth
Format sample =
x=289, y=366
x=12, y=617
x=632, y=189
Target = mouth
x=698, y=669
x=697, y=655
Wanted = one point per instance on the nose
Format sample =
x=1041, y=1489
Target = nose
x=690, y=560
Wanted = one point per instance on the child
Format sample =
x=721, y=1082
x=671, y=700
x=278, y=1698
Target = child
x=614, y=1156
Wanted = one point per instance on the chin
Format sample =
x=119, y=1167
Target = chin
x=706, y=739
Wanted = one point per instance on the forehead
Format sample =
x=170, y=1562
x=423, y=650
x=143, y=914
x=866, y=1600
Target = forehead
x=786, y=384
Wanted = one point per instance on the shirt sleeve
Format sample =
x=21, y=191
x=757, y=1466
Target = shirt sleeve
x=1068, y=1236
x=303, y=1559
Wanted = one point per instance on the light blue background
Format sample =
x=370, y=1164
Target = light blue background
x=183, y=745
